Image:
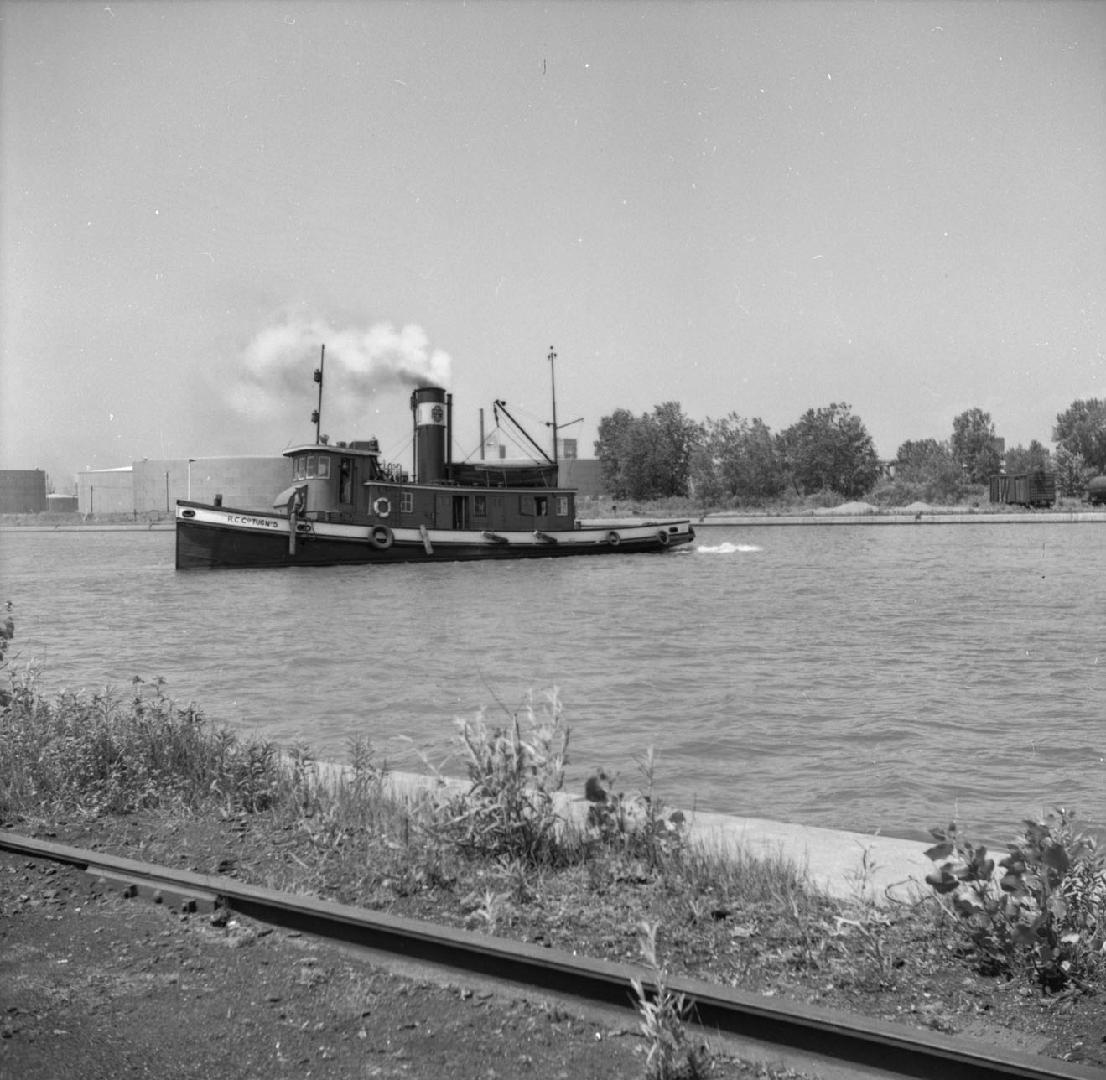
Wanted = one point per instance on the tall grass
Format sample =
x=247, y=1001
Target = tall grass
x=514, y=770
x=103, y=754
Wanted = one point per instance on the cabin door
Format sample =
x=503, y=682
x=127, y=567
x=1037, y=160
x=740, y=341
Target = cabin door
x=451, y=511
x=497, y=517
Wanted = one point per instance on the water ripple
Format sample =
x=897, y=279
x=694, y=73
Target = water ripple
x=868, y=678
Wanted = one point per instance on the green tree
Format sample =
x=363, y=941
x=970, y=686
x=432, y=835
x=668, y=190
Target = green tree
x=745, y=457
x=973, y=445
x=643, y=461
x=611, y=448
x=1081, y=429
x=928, y=465
x=676, y=437
x=1032, y=459
x=649, y=456
x=918, y=459
x=830, y=449
x=1072, y=472
x=705, y=479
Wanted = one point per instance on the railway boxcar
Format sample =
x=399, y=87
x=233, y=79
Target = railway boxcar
x=1024, y=489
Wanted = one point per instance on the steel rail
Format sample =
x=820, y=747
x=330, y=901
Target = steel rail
x=849, y=1039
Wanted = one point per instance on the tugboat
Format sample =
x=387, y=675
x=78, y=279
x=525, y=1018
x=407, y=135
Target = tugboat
x=346, y=506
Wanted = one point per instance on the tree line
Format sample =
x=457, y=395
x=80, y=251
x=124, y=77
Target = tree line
x=739, y=460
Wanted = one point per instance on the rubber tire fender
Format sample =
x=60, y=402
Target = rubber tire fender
x=381, y=538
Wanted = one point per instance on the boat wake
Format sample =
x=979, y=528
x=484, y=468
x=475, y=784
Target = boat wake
x=726, y=549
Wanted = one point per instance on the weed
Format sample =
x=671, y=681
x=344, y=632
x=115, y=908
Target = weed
x=634, y=825
x=514, y=771
x=487, y=911
x=670, y=1054
x=7, y=633
x=1046, y=908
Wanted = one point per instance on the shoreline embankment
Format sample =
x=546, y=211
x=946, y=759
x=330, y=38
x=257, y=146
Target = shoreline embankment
x=720, y=519
x=957, y=517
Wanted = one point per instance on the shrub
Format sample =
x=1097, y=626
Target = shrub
x=635, y=825
x=514, y=770
x=1048, y=907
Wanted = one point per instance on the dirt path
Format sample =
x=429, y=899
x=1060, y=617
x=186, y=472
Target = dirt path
x=94, y=986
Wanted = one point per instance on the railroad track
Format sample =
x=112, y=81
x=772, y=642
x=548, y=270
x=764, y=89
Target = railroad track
x=848, y=1040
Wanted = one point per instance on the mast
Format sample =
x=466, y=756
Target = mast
x=553, y=386
x=316, y=415
x=552, y=358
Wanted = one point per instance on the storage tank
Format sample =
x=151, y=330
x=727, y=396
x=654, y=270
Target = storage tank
x=1096, y=491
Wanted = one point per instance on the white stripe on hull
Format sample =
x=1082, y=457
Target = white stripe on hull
x=213, y=536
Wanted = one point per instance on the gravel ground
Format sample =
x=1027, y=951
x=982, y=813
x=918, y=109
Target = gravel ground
x=96, y=986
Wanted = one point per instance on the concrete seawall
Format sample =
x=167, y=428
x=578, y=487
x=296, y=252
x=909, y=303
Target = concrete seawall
x=1077, y=517
x=844, y=865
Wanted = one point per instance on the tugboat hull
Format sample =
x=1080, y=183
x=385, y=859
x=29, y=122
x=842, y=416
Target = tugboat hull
x=210, y=537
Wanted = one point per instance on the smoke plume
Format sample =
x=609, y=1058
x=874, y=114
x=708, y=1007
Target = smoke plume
x=277, y=365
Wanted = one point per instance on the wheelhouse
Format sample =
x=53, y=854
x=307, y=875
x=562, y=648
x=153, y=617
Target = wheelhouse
x=349, y=483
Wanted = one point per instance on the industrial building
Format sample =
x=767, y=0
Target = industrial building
x=248, y=483
x=22, y=491
x=155, y=485
x=105, y=491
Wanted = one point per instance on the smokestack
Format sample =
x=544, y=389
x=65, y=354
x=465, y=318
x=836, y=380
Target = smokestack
x=431, y=431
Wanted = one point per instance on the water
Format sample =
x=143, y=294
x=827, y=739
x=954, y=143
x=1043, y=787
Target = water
x=858, y=677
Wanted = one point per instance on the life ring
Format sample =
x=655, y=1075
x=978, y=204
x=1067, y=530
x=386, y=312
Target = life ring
x=663, y=537
x=381, y=507
x=613, y=538
x=380, y=536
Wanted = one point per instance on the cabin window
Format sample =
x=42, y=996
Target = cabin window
x=541, y=505
x=345, y=480
x=407, y=502
x=311, y=465
x=562, y=506
x=324, y=466
x=480, y=506
x=297, y=468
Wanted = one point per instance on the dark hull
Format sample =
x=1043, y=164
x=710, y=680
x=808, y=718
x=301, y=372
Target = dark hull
x=217, y=545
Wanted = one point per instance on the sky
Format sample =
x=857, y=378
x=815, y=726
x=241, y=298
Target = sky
x=745, y=207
